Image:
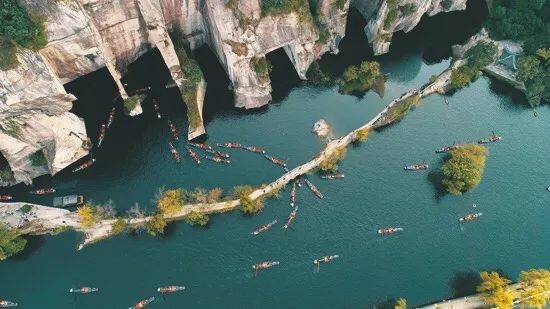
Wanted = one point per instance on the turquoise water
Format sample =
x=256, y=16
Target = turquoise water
x=432, y=259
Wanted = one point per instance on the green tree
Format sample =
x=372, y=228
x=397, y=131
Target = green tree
x=401, y=304
x=463, y=168
x=529, y=68
x=24, y=28
x=330, y=163
x=120, y=225
x=248, y=205
x=196, y=218
x=494, y=290
x=535, y=287
x=361, y=78
x=170, y=202
x=11, y=242
x=155, y=226
x=87, y=215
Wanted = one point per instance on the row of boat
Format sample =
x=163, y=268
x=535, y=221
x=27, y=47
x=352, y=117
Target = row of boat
x=256, y=268
x=104, y=126
x=489, y=139
x=42, y=191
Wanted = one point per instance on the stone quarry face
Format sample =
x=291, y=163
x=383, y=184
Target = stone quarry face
x=86, y=35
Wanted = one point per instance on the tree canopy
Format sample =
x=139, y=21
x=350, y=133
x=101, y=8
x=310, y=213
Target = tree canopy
x=494, y=290
x=401, y=304
x=360, y=78
x=535, y=287
x=463, y=168
x=155, y=226
x=170, y=201
x=24, y=28
x=248, y=205
x=11, y=242
x=87, y=215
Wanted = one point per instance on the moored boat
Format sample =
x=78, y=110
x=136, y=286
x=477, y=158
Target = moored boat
x=217, y=153
x=111, y=117
x=264, y=227
x=174, y=151
x=102, y=131
x=293, y=194
x=84, y=165
x=143, y=303
x=218, y=159
x=173, y=130
x=202, y=146
x=313, y=188
x=170, y=289
x=68, y=201
x=446, y=149
x=254, y=149
x=333, y=176
x=275, y=160
x=194, y=155
x=417, y=167
x=389, y=230
x=490, y=139
x=264, y=265
x=5, y=197
x=84, y=290
x=6, y=304
x=470, y=217
x=291, y=218
x=326, y=259
x=42, y=191
x=230, y=145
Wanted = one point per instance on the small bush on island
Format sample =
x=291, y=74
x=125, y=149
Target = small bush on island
x=170, y=202
x=478, y=57
x=119, y=226
x=401, y=109
x=11, y=242
x=361, y=136
x=195, y=218
x=361, y=78
x=400, y=304
x=248, y=205
x=38, y=159
x=392, y=14
x=87, y=215
x=156, y=225
x=130, y=103
x=25, y=208
x=463, y=168
x=330, y=164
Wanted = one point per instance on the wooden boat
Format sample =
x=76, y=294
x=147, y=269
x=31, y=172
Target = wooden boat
x=446, y=149
x=389, y=230
x=254, y=149
x=202, y=146
x=417, y=167
x=194, y=155
x=143, y=303
x=291, y=217
x=170, y=289
x=217, y=153
x=5, y=197
x=84, y=165
x=68, y=201
x=264, y=265
x=293, y=194
x=264, y=227
x=333, y=176
x=299, y=181
x=42, y=191
x=324, y=260
x=84, y=290
x=470, y=217
x=218, y=159
x=173, y=130
x=313, y=188
x=6, y=304
x=157, y=108
x=111, y=117
x=230, y=145
x=102, y=131
x=174, y=151
x=490, y=139
x=275, y=160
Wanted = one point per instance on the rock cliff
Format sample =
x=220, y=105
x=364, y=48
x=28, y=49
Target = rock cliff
x=399, y=15
x=86, y=35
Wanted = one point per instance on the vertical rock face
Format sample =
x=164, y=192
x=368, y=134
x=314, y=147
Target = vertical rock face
x=38, y=134
x=396, y=15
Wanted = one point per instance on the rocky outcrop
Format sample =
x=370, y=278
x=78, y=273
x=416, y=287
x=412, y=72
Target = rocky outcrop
x=38, y=134
x=399, y=15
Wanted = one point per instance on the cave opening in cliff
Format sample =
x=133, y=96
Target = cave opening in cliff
x=283, y=74
x=434, y=35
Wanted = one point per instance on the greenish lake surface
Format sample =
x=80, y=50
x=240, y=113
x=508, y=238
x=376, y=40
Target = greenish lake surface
x=433, y=258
